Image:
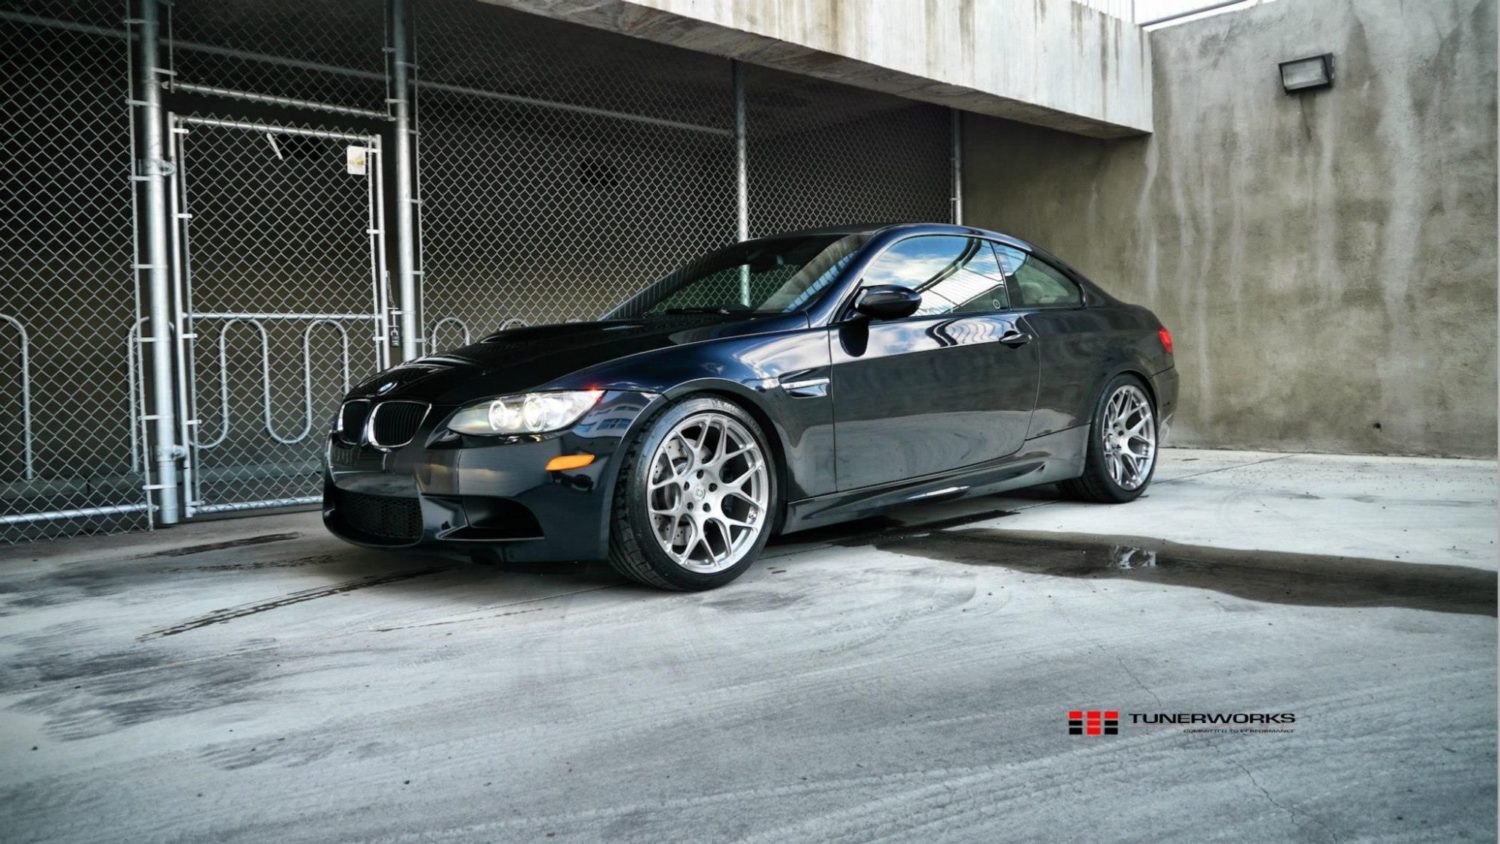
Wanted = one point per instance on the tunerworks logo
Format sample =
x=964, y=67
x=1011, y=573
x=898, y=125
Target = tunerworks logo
x=1093, y=722
x=1106, y=722
x=1238, y=722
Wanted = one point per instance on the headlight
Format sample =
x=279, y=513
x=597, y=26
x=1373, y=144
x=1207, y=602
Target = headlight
x=527, y=413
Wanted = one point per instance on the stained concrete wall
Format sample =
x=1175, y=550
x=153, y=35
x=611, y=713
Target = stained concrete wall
x=1326, y=262
x=1053, y=63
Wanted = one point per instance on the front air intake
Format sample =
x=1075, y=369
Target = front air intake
x=394, y=423
x=379, y=516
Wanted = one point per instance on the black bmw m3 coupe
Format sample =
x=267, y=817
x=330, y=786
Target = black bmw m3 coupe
x=771, y=386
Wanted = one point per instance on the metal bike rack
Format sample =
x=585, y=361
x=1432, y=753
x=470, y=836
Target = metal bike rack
x=30, y=460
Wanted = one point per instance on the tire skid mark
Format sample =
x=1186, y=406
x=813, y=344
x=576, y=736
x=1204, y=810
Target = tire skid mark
x=188, y=550
x=505, y=610
x=238, y=653
x=231, y=613
x=1230, y=468
x=895, y=787
x=767, y=792
x=295, y=563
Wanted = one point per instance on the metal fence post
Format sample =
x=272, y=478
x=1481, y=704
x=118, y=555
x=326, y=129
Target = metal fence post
x=741, y=173
x=152, y=168
x=958, y=165
x=406, y=276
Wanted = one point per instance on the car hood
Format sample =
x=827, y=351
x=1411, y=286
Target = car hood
x=529, y=358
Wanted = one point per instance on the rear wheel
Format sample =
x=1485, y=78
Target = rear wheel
x=694, y=502
x=1122, y=445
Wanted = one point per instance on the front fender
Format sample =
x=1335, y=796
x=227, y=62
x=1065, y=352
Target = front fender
x=749, y=371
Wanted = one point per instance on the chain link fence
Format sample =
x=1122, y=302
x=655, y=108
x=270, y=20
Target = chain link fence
x=560, y=159
x=558, y=169
x=561, y=167
x=822, y=154
x=328, y=54
x=67, y=291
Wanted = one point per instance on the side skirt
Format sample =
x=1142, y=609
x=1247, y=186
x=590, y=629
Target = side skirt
x=1058, y=456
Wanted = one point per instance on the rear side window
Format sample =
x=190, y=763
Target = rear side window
x=954, y=274
x=1037, y=284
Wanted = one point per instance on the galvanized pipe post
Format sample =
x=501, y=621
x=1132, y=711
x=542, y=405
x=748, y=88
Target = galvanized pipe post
x=741, y=173
x=152, y=168
x=958, y=165
x=406, y=274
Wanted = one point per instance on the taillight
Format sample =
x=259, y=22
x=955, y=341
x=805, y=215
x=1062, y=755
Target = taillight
x=1165, y=337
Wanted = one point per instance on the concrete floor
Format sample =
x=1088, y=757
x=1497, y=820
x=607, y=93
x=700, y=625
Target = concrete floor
x=257, y=680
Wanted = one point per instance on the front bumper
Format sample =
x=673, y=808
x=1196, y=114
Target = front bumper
x=485, y=497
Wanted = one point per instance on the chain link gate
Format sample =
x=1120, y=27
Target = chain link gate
x=551, y=169
x=279, y=247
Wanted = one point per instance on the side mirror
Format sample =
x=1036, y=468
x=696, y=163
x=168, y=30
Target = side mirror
x=887, y=301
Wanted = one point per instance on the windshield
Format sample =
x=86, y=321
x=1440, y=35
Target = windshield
x=774, y=275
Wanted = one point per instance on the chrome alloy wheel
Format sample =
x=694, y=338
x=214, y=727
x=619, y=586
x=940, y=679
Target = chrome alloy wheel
x=1129, y=437
x=708, y=491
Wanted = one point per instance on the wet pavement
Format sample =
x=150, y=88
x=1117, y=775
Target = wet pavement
x=1275, y=577
x=907, y=677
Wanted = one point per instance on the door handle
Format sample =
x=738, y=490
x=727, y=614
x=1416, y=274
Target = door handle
x=1015, y=338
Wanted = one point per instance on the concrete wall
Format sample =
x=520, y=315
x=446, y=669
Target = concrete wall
x=1326, y=262
x=1051, y=63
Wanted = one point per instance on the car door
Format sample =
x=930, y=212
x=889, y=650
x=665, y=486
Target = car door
x=953, y=385
x=1072, y=340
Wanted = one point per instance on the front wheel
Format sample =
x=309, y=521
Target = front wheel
x=694, y=502
x=1122, y=445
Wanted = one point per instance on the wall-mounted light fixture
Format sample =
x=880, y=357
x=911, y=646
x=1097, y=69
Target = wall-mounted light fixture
x=1307, y=74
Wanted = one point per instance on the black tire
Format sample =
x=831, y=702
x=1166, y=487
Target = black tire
x=634, y=550
x=1096, y=484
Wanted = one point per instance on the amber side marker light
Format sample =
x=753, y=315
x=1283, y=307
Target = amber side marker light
x=564, y=462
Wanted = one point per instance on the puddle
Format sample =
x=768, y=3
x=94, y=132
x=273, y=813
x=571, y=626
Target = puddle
x=1267, y=576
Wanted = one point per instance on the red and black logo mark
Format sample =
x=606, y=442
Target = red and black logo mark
x=1093, y=722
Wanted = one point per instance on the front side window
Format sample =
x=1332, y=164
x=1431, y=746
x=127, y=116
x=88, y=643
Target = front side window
x=954, y=274
x=1038, y=284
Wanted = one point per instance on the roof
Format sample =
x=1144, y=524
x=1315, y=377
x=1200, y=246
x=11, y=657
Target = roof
x=924, y=228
